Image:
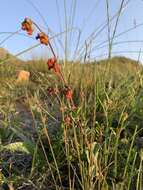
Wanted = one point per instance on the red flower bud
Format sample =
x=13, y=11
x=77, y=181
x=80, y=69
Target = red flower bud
x=27, y=25
x=52, y=91
x=51, y=63
x=68, y=93
x=57, y=69
x=67, y=120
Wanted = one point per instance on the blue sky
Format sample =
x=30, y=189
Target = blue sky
x=83, y=17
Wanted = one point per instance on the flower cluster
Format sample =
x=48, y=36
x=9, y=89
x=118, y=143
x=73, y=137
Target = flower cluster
x=52, y=63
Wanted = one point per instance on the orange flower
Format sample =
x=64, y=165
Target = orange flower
x=51, y=63
x=27, y=25
x=68, y=93
x=67, y=120
x=57, y=69
x=43, y=38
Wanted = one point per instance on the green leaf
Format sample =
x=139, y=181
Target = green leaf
x=20, y=146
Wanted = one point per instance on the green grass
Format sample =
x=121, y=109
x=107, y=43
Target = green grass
x=101, y=147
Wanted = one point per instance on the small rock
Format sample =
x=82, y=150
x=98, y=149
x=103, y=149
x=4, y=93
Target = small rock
x=23, y=76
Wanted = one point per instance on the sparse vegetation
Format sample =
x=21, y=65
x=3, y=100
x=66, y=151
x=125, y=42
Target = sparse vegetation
x=72, y=125
x=99, y=144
